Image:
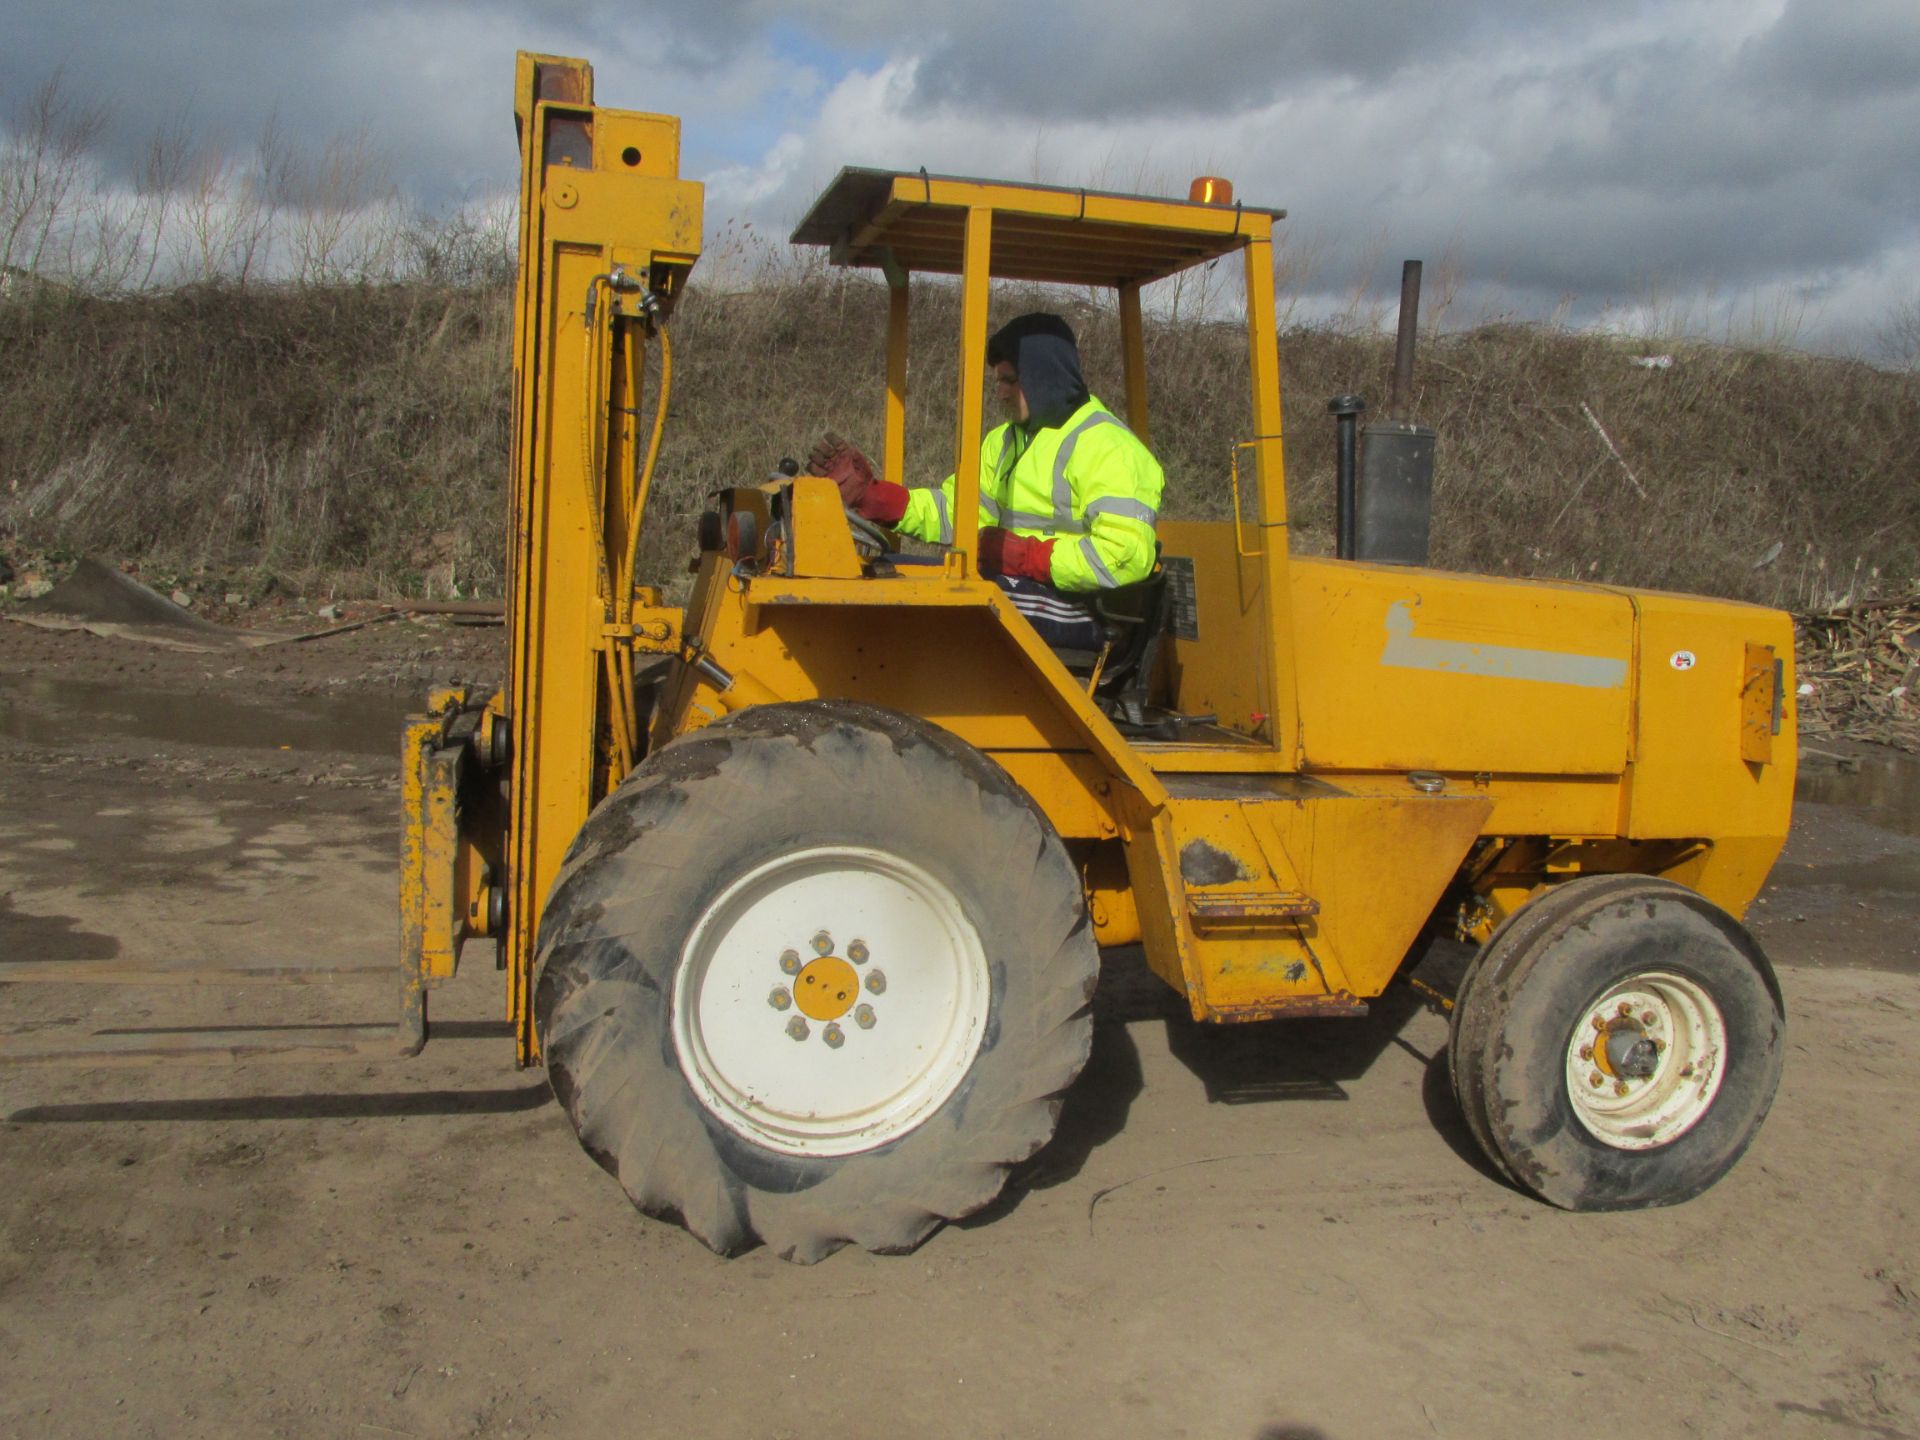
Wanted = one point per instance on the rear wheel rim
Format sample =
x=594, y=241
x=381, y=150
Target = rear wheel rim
x=1632, y=1111
x=829, y=1001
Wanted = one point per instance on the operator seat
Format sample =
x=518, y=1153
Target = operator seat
x=1134, y=617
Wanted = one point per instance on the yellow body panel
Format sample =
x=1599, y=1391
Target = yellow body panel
x=997, y=686
x=1260, y=838
x=1224, y=671
x=822, y=544
x=1689, y=776
x=1405, y=669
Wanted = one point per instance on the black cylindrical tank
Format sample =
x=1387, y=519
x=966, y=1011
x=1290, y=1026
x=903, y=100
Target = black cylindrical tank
x=1394, y=504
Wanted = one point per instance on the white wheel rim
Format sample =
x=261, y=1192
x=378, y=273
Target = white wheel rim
x=833, y=1083
x=1632, y=1111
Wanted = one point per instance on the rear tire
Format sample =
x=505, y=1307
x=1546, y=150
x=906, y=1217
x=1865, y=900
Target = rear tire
x=1466, y=1032
x=1617, y=1044
x=816, y=974
x=1472, y=1017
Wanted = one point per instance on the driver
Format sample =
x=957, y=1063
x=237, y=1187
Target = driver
x=1068, y=495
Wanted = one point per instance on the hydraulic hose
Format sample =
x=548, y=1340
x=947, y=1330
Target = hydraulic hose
x=635, y=508
x=619, y=596
x=645, y=482
x=628, y=561
x=592, y=413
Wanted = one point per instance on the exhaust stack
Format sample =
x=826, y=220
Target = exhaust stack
x=1386, y=510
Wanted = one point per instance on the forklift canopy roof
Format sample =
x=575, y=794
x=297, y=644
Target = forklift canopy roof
x=917, y=221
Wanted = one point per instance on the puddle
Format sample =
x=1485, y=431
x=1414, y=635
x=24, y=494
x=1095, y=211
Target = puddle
x=1848, y=886
x=1886, y=783
x=1873, y=880
x=46, y=710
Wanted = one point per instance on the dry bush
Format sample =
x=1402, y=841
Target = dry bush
x=348, y=431
x=1764, y=471
x=312, y=211
x=1899, y=333
x=360, y=433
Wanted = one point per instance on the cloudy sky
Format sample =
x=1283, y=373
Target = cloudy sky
x=1743, y=163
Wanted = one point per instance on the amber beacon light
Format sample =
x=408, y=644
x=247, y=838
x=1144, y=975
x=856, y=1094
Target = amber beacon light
x=1211, y=190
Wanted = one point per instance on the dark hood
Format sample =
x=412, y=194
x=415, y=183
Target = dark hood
x=1041, y=349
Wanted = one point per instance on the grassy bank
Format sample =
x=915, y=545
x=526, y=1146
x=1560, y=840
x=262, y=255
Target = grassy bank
x=354, y=438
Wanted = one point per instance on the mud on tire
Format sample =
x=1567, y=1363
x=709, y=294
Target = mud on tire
x=693, y=883
x=1576, y=982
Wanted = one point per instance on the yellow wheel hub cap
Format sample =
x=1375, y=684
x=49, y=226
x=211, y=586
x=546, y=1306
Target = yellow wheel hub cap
x=826, y=988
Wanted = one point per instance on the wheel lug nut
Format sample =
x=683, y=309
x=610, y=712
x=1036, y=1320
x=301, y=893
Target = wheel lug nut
x=1619, y=1087
x=1647, y=1017
x=1586, y=1052
x=780, y=999
x=797, y=1027
x=1625, y=1011
x=1599, y=1022
x=863, y=1016
x=857, y=952
x=790, y=961
x=877, y=982
x=834, y=1036
x=823, y=944
x=1596, y=1079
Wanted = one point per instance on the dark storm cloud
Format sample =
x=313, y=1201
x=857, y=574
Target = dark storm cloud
x=1085, y=60
x=428, y=81
x=1826, y=51
x=1697, y=167
x=1552, y=147
x=407, y=75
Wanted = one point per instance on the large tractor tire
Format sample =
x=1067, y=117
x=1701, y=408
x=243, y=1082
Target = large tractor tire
x=815, y=975
x=1617, y=1044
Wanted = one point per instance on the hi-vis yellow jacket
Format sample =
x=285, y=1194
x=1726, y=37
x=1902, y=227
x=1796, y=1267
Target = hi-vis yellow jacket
x=1086, y=483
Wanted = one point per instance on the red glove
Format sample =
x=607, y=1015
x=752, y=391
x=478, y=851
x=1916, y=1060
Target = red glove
x=861, y=490
x=1004, y=553
x=844, y=465
x=884, y=502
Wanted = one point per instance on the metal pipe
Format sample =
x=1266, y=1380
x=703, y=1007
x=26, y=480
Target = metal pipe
x=709, y=670
x=1346, y=410
x=736, y=691
x=1403, y=351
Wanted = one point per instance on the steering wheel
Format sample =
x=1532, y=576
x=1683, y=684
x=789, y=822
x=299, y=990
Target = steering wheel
x=870, y=541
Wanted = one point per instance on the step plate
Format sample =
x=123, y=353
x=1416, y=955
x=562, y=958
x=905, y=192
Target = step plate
x=1248, y=909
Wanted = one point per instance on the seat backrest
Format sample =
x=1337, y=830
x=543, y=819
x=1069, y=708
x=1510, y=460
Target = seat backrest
x=1136, y=616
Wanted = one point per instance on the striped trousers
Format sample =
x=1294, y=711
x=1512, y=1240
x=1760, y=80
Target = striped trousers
x=1064, y=623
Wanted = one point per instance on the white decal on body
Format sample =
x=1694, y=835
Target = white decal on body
x=1511, y=662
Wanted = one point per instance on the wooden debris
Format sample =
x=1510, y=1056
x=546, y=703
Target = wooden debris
x=480, y=609
x=1613, y=449
x=1859, y=671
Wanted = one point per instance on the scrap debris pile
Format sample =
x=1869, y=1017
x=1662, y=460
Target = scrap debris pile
x=1859, y=670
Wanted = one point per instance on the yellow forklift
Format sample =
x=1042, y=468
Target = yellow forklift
x=798, y=890
x=804, y=924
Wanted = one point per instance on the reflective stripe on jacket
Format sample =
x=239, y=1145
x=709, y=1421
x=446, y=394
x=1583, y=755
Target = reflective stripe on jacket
x=1086, y=483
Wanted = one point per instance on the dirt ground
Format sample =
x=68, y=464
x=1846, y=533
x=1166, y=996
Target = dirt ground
x=1273, y=1232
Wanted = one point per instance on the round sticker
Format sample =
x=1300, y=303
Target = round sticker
x=1682, y=660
